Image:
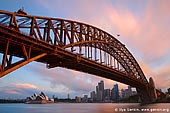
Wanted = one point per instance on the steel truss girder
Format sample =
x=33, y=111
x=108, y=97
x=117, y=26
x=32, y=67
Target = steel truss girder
x=9, y=66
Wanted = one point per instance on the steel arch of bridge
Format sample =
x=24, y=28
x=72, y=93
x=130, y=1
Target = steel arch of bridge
x=66, y=43
x=70, y=34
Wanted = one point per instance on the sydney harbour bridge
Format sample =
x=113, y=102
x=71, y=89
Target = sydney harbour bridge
x=69, y=44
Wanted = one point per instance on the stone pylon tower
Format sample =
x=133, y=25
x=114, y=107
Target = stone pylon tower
x=153, y=93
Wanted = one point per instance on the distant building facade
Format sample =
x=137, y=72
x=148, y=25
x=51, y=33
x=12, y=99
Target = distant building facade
x=78, y=99
x=126, y=93
x=85, y=98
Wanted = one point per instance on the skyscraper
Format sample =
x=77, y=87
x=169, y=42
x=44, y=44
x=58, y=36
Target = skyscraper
x=93, y=96
x=126, y=93
x=100, y=91
x=123, y=94
x=97, y=93
x=107, y=94
x=115, y=93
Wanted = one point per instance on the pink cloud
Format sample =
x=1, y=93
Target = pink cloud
x=70, y=81
x=152, y=32
x=161, y=75
x=17, y=90
x=25, y=86
x=11, y=91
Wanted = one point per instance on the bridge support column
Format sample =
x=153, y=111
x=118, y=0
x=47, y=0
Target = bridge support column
x=153, y=93
x=148, y=94
x=144, y=95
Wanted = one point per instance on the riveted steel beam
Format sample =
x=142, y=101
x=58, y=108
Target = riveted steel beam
x=20, y=64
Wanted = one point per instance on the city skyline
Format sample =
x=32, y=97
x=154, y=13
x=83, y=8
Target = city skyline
x=102, y=94
x=144, y=32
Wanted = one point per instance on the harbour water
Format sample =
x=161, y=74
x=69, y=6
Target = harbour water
x=85, y=108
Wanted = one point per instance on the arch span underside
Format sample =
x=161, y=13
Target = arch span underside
x=69, y=44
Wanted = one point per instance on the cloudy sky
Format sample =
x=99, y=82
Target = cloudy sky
x=143, y=25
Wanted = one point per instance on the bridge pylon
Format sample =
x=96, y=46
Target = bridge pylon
x=148, y=94
x=144, y=95
x=153, y=93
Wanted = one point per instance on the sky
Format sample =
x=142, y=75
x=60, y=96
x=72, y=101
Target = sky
x=143, y=25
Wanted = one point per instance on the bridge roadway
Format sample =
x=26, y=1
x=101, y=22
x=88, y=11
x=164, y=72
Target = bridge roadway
x=46, y=40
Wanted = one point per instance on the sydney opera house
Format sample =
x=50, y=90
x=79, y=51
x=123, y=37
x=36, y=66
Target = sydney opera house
x=39, y=99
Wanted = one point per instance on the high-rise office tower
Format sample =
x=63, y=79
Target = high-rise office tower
x=93, y=96
x=107, y=94
x=115, y=93
x=97, y=93
x=100, y=91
